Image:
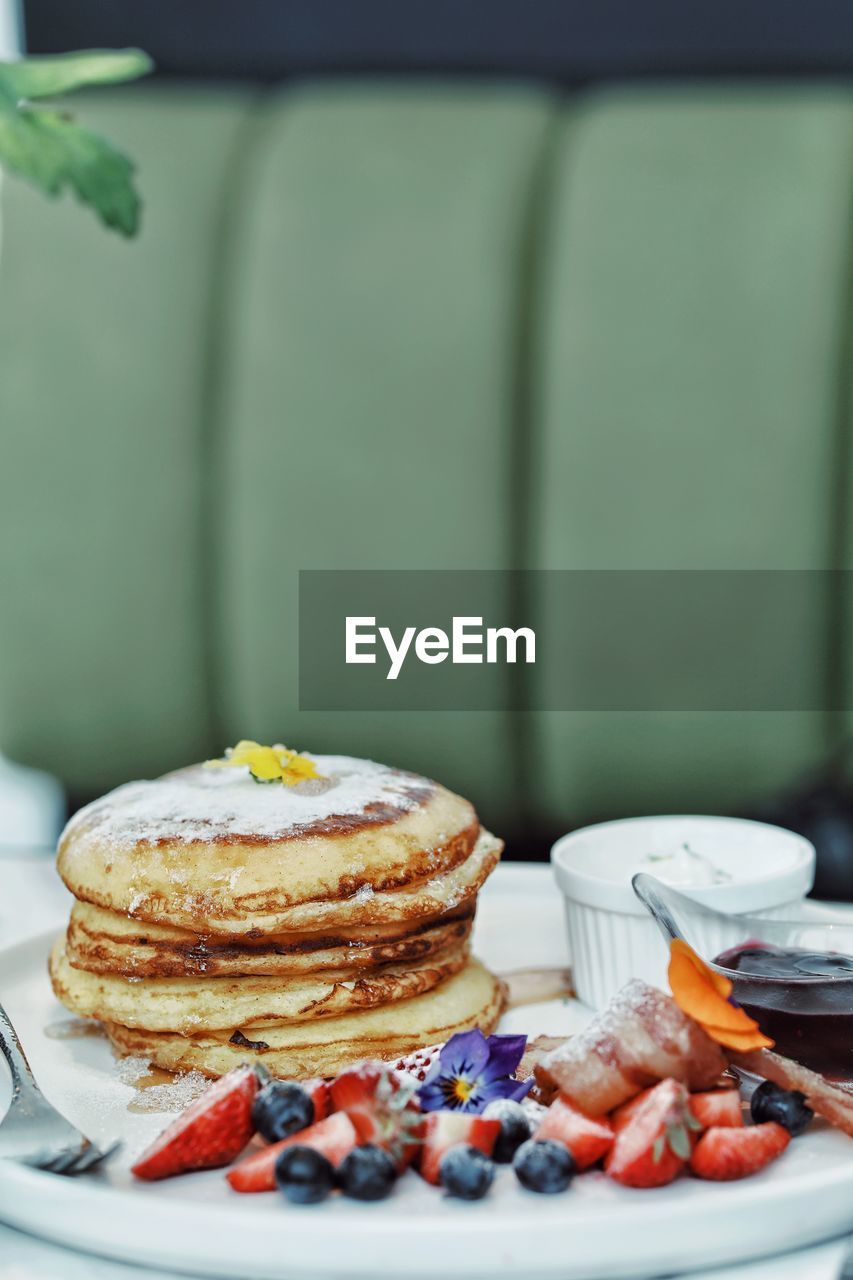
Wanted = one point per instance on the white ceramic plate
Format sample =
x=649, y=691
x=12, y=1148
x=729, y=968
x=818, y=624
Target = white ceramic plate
x=195, y=1224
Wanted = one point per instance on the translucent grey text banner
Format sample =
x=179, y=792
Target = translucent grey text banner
x=574, y=640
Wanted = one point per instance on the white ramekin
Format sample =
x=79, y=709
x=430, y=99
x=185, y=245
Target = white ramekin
x=612, y=938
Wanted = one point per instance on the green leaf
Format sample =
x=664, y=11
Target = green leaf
x=55, y=153
x=47, y=77
x=679, y=1142
x=48, y=148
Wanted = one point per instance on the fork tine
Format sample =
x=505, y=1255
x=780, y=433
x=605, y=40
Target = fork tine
x=112, y=1150
x=80, y=1160
x=86, y=1160
x=67, y=1160
x=93, y=1157
x=62, y=1161
x=70, y=1161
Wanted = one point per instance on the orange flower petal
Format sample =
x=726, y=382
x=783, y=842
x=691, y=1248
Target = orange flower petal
x=740, y=1041
x=720, y=983
x=703, y=995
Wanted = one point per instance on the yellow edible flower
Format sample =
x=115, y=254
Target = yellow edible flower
x=268, y=764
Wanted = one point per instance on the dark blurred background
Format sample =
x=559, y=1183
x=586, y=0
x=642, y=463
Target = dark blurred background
x=570, y=42
x=466, y=284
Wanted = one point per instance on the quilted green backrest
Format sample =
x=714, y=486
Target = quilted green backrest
x=370, y=410
x=104, y=359
x=427, y=327
x=692, y=372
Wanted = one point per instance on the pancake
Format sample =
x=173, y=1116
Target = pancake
x=102, y=941
x=310, y=925
x=213, y=851
x=473, y=998
x=419, y=901
x=195, y=1005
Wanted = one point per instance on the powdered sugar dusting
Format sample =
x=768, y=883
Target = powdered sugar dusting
x=173, y=1095
x=209, y=805
x=636, y=998
x=535, y=1112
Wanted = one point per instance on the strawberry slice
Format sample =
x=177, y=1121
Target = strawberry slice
x=587, y=1138
x=653, y=1147
x=717, y=1109
x=211, y=1132
x=620, y=1117
x=354, y=1091
x=382, y=1106
x=445, y=1129
x=725, y=1154
x=333, y=1137
x=318, y=1092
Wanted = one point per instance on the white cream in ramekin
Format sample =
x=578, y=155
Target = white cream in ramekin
x=735, y=866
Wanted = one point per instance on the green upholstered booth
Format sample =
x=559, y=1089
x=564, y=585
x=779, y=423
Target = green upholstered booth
x=420, y=325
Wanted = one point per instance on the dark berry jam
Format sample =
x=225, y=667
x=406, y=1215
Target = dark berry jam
x=802, y=998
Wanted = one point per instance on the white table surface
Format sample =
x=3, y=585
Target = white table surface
x=31, y=900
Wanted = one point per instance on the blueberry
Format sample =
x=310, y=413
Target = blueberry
x=367, y=1173
x=303, y=1175
x=544, y=1166
x=466, y=1172
x=786, y=1107
x=515, y=1127
x=280, y=1109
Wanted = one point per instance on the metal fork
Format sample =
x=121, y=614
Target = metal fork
x=33, y=1132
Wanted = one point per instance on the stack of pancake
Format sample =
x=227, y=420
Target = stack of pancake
x=220, y=920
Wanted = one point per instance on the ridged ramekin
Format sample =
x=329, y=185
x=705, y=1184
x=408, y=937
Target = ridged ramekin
x=611, y=936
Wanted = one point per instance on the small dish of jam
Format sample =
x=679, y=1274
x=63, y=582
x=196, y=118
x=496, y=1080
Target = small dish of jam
x=793, y=976
x=800, y=996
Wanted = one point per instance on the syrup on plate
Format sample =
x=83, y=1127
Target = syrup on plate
x=74, y=1029
x=802, y=998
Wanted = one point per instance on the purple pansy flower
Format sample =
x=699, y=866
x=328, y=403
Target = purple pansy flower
x=471, y=1070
